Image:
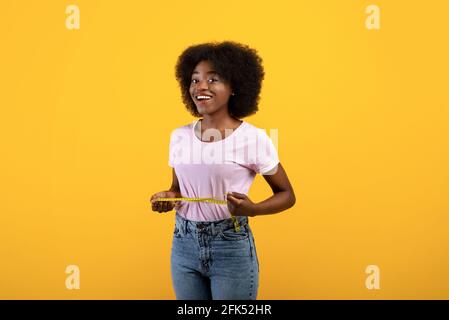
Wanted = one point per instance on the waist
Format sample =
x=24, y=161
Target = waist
x=213, y=226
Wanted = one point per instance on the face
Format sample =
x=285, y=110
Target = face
x=208, y=90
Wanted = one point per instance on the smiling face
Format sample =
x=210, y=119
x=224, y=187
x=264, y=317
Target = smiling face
x=208, y=90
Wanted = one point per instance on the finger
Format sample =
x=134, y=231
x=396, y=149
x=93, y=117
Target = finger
x=233, y=199
x=155, y=197
x=158, y=206
x=230, y=198
x=238, y=195
x=154, y=205
x=232, y=205
x=231, y=208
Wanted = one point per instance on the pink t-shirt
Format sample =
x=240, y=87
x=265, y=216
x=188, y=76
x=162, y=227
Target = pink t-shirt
x=211, y=169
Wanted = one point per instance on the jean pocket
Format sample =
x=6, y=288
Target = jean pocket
x=232, y=235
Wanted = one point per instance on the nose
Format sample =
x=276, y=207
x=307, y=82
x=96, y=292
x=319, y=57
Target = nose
x=202, y=84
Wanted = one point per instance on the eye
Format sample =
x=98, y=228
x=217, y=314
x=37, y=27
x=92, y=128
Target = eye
x=209, y=80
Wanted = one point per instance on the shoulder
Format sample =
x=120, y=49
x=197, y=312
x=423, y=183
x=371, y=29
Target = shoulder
x=184, y=129
x=256, y=131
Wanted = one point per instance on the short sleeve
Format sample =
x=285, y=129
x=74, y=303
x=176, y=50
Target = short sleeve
x=267, y=155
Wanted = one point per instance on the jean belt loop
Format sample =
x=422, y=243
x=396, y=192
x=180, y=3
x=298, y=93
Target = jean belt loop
x=180, y=224
x=212, y=228
x=177, y=223
x=185, y=226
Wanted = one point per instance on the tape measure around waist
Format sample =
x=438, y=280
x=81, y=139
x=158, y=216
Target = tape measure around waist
x=209, y=200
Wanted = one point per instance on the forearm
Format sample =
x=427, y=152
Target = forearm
x=278, y=202
x=176, y=190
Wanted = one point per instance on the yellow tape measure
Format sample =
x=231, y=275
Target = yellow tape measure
x=209, y=200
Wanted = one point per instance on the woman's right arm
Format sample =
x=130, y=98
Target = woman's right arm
x=175, y=182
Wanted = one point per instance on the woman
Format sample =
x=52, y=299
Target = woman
x=213, y=252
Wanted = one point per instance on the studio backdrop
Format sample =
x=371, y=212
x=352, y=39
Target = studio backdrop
x=357, y=92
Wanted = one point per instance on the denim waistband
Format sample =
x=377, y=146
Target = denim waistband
x=213, y=226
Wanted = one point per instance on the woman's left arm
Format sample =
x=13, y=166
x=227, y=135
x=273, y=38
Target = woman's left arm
x=283, y=196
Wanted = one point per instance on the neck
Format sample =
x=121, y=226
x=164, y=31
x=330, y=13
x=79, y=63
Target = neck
x=218, y=120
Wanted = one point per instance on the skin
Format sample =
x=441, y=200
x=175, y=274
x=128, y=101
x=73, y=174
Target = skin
x=216, y=116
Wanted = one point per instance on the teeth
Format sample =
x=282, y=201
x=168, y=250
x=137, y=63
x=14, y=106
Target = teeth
x=202, y=97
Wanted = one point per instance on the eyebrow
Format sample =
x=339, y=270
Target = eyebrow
x=212, y=72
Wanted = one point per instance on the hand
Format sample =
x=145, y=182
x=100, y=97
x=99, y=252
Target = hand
x=164, y=206
x=240, y=205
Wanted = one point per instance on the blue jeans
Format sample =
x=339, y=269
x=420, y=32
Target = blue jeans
x=211, y=260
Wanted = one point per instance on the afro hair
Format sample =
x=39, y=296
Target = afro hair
x=238, y=65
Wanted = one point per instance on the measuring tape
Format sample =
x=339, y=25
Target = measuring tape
x=209, y=200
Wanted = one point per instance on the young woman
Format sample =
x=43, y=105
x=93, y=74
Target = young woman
x=213, y=251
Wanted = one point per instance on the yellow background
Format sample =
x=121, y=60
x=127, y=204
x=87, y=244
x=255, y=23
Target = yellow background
x=362, y=118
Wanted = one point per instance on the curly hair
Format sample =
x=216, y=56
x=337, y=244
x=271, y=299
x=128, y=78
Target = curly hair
x=238, y=65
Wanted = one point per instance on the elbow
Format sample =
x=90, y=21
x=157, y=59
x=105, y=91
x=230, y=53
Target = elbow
x=292, y=199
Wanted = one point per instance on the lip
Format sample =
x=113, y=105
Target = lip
x=203, y=101
x=202, y=94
